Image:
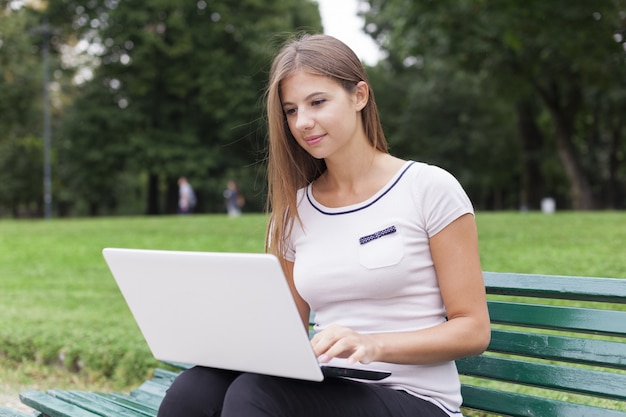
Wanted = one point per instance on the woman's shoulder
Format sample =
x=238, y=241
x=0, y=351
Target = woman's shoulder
x=428, y=171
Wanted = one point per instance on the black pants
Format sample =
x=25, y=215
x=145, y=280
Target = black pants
x=207, y=392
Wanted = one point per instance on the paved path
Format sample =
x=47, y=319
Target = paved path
x=12, y=400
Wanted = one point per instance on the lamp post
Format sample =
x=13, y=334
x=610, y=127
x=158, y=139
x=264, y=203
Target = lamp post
x=46, y=32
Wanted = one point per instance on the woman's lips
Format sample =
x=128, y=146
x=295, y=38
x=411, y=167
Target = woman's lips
x=314, y=140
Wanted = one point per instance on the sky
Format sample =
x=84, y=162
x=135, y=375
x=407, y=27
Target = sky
x=340, y=20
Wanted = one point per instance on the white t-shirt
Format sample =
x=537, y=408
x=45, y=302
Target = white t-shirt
x=368, y=267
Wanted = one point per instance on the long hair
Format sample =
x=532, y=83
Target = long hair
x=289, y=166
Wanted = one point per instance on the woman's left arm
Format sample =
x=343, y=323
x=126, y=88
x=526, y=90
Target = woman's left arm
x=466, y=332
x=459, y=273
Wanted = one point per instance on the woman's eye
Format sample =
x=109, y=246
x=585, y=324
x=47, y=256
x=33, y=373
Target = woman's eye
x=318, y=102
x=290, y=112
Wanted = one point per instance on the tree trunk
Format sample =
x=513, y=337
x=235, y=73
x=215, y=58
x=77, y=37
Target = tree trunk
x=171, y=205
x=153, y=194
x=612, y=183
x=564, y=101
x=580, y=190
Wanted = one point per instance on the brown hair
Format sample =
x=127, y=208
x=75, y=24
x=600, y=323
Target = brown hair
x=289, y=166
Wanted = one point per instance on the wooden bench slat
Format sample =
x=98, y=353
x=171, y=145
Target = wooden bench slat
x=178, y=365
x=164, y=375
x=156, y=389
x=51, y=406
x=576, y=380
x=142, y=397
x=592, y=321
x=152, y=391
x=129, y=402
x=96, y=404
x=522, y=405
x=133, y=407
x=563, y=348
x=610, y=290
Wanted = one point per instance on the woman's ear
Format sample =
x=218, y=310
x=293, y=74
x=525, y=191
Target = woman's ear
x=362, y=95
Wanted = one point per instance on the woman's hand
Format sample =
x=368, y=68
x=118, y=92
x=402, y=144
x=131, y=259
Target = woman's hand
x=340, y=342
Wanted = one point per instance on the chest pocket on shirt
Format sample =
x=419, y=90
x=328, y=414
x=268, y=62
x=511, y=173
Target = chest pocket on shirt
x=381, y=247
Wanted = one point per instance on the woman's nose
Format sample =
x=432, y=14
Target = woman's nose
x=304, y=120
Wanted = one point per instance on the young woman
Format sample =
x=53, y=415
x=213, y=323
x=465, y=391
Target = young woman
x=385, y=251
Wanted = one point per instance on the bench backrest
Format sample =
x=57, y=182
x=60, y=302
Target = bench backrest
x=560, y=343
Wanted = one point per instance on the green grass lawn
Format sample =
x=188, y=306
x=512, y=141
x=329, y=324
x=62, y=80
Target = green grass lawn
x=60, y=307
x=61, y=310
x=569, y=243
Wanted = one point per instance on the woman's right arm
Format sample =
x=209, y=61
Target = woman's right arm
x=303, y=306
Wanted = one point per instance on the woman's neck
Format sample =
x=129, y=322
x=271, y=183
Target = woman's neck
x=349, y=182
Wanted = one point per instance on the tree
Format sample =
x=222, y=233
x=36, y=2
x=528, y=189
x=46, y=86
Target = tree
x=185, y=79
x=559, y=54
x=438, y=116
x=21, y=149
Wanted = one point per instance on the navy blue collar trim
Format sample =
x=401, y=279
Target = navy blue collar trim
x=361, y=207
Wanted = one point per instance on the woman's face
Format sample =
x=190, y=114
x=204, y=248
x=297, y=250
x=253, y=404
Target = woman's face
x=322, y=116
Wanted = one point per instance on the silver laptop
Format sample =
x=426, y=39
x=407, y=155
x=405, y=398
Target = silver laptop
x=223, y=310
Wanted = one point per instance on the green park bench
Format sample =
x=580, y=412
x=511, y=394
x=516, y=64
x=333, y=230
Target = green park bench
x=558, y=348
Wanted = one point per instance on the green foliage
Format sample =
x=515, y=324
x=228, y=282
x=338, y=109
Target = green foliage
x=20, y=72
x=565, y=59
x=165, y=89
x=21, y=174
x=177, y=92
x=449, y=119
x=519, y=102
x=21, y=166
